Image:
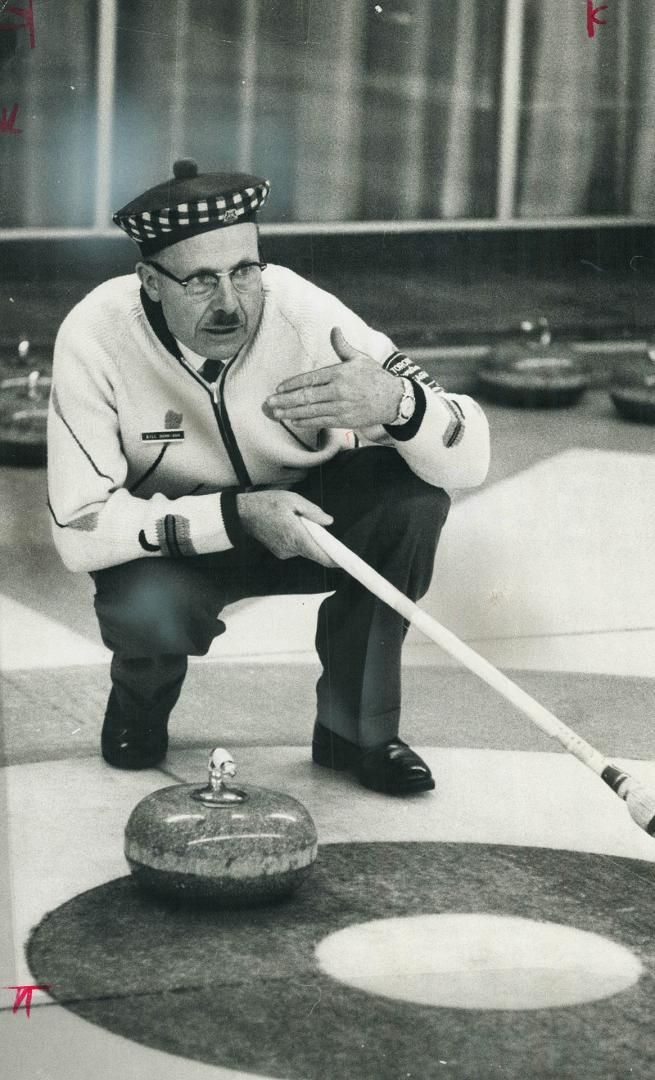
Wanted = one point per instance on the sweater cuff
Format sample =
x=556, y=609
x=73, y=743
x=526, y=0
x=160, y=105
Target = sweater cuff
x=235, y=533
x=403, y=432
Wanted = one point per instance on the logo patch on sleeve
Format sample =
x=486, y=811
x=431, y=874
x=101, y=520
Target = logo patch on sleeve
x=172, y=435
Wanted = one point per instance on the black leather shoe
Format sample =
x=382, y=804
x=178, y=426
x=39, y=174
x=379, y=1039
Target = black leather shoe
x=129, y=748
x=392, y=768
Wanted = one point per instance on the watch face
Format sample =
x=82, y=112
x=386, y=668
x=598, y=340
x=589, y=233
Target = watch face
x=407, y=406
x=407, y=403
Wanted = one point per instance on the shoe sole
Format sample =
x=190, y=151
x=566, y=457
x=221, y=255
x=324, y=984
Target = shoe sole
x=426, y=784
x=134, y=766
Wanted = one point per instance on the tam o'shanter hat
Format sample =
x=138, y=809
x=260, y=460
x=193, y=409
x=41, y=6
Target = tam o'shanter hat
x=190, y=204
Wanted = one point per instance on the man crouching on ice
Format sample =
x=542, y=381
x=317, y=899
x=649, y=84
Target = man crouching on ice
x=202, y=404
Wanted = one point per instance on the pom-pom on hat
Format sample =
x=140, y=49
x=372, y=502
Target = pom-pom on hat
x=190, y=204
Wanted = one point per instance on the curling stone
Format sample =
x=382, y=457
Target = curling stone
x=220, y=844
x=530, y=372
x=23, y=418
x=633, y=391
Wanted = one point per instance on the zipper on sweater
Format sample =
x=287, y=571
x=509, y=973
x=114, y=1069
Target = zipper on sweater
x=225, y=428
x=217, y=398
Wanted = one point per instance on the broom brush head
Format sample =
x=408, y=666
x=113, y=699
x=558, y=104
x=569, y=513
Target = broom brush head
x=639, y=800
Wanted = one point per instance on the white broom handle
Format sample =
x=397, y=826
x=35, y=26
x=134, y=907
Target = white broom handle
x=384, y=590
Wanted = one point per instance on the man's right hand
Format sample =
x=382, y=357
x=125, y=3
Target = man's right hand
x=273, y=518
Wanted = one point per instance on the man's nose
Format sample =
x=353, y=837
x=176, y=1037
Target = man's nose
x=225, y=297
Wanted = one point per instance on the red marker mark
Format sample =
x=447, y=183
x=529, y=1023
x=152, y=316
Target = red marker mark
x=24, y=994
x=592, y=20
x=26, y=14
x=7, y=122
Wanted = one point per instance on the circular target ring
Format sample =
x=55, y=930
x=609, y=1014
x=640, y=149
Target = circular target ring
x=244, y=989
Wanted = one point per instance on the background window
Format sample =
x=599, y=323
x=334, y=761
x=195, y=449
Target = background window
x=357, y=111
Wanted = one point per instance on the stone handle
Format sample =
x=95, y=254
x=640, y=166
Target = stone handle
x=217, y=792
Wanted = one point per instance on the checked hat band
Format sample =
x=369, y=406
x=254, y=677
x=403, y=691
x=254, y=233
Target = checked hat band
x=189, y=204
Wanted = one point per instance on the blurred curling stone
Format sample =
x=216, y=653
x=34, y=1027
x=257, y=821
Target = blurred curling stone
x=633, y=390
x=219, y=844
x=23, y=418
x=529, y=371
x=19, y=357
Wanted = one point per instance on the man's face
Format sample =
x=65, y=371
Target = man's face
x=218, y=326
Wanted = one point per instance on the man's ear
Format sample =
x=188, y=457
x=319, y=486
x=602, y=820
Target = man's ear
x=149, y=280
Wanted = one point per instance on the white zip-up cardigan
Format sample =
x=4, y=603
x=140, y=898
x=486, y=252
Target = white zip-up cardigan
x=145, y=457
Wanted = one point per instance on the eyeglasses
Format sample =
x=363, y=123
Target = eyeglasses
x=206, y=282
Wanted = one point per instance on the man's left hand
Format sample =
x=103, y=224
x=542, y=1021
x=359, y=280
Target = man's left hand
x=355, y=394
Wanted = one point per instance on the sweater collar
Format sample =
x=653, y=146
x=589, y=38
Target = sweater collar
x=191, y=357
x=155, y=316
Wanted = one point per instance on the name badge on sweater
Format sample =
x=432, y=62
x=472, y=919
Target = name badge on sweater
x=162, y=436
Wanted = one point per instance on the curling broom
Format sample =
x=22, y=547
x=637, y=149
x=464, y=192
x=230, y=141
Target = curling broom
x=640, y=802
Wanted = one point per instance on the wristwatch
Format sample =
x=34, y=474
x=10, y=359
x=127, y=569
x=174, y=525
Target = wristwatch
x=407, y=404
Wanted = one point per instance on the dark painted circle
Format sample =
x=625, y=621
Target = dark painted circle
x=242, y=989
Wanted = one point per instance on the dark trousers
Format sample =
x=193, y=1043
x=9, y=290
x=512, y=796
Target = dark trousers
x=154, y=613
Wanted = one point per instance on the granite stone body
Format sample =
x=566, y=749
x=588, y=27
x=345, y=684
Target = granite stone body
x=535, y=381
x=242, y=853
x=633, y=394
